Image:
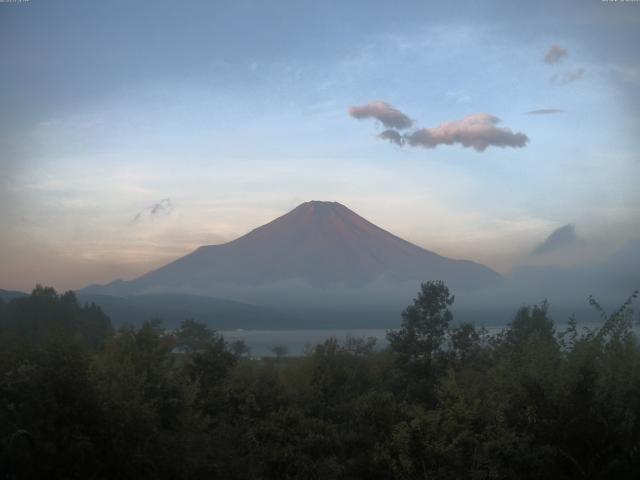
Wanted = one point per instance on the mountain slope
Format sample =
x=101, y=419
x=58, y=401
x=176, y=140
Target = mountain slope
x=173, y=308
x=317, y=243
x=8, y=295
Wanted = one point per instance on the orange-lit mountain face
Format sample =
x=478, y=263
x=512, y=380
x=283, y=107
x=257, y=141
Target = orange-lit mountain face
x=319, y=244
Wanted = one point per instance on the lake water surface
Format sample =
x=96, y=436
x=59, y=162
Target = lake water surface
x=261, y=342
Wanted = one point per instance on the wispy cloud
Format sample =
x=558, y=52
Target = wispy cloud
x=627, y=74
x=568, y=76
x=544, y=111
x=555, y=54
x=385, y=113
x=162, y=208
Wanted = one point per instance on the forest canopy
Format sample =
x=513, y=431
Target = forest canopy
x=79, y=399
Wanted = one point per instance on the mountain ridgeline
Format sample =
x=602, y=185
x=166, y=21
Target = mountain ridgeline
x=320, y=245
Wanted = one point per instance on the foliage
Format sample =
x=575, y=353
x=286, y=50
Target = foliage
x=46, y=314
x=443, y=401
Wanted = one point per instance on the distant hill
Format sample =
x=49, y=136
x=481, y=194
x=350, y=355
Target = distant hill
x=225, y=314
x=8, y=295
x=222, y=314
x=318, y=244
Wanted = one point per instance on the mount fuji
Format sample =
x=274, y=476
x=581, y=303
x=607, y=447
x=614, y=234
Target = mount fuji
x=320, y=245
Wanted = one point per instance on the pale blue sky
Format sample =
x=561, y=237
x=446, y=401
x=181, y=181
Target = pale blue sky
x=236, y=111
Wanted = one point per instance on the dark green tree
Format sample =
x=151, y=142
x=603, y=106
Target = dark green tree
x=194, y=336
x=44, y=314
x=424, y=324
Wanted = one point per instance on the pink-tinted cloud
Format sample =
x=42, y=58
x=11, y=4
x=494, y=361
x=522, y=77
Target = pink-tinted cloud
x=555, y=54
x=388, y=115
x=477, y=131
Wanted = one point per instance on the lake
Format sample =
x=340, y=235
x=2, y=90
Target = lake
x=261, y=342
